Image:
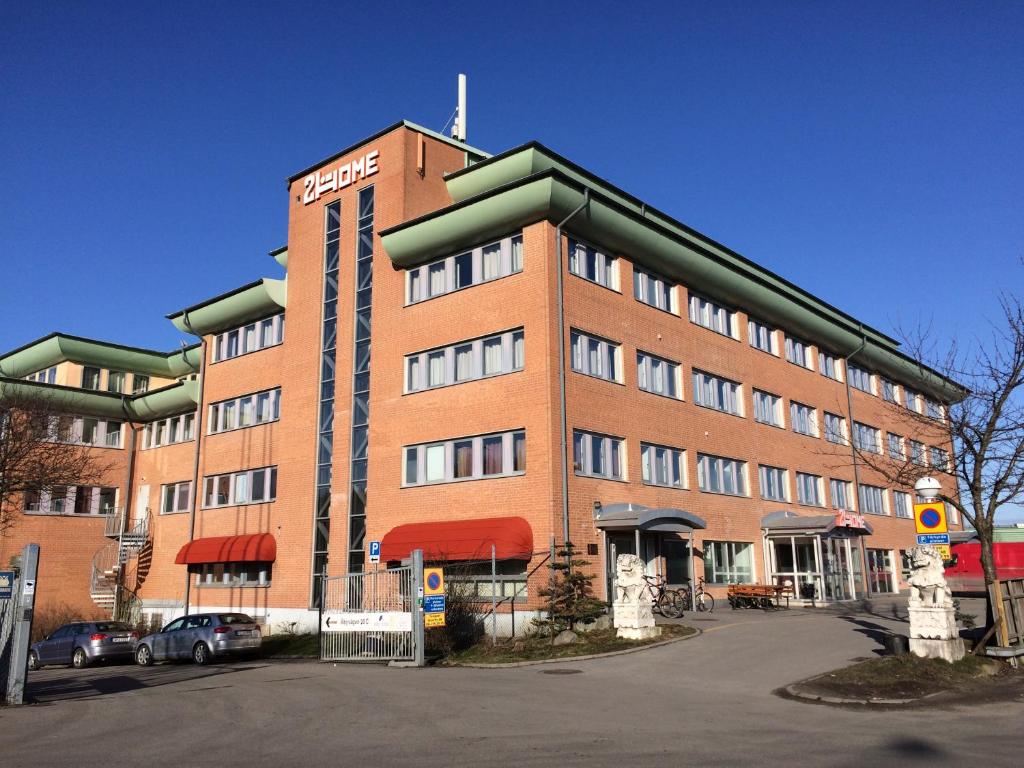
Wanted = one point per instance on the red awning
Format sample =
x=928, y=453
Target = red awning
x=512, y=538
x=254, y=547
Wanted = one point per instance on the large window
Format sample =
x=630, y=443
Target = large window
x=932, y=408
x=859, y=378
x=910, y=399
x=593, y=265
x=773, y=483
x=654, y=290
x=175, y=497
x=478, y=265
x=261, y=334
x=804, y=419
x=71, y=500
x=115, y=381
x=465, y=458
x=91, y=377
x=466, y=361
x=762, y=336
x=895, y=446
x=45, y=376
x=252, y=486
x=246, y=411
x=872, y=499
x=841, y=492
x=598, y=455
x=716, y=474
x=232, y=574
x=658, y=376
x=902, y=505
x=808, y=489
x=711, y=315
x=594, y=356
x=917, y=453
x=85, y=430
x=728, y=562
x=767, y=408
x=830, y=366
x=140, y=384
x=889, y=393
x=474, y=580
x=867, y=438
x=176, y=429
x=940, y=459
x=712, y=391
x=798, y=352
x=835, y=428
x=663, y=466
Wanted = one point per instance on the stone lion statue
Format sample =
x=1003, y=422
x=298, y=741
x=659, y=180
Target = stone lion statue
x=629, y=578
x=928, y=578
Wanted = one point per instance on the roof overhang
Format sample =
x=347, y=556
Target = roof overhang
x=621, y=224
x=249, y=302
x=61, y=347
x=785, y=521
x=627, y=516
x=180, y=397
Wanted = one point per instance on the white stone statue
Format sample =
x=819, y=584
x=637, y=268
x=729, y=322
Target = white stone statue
x=933, y=629
x=632, y=608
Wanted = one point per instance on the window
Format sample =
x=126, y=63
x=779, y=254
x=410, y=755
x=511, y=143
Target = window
x=73, y=500
x=658, y=376
x=808, y=489
x=715, y=317
x=835, y=428
x=466, y=361
x=594, y=356
x=829, y=365
x=872, y=500
x=859, y=378
x=804, y=419
x=767, y=408
x=473, y=267
x=176, y=429
x=474, y=581
x=716, y=474
x=663, y=466
x=910, y=399
x=115, y=381
x=231, y=575
x=901, y=503
x=465, y=458
x=889, y=390
x=761, y=336
x=175, y=497
x=895, y=446
x=84, y=430
x=917, y=453
x=715, y=392
x=773, y=483
x=799, y=352
x=45, y=376
x=90, y=377
x=952, y=513
x=593, y=265
x=246, y=411
x=598, y=455
x=728, y=562
x=940, y=459
x=654, y=290
x=140, y=384
x=268, y=332
x=841, y=492
x=866, y=438
x=253, y=486
x=932, y=409
x=112, y=434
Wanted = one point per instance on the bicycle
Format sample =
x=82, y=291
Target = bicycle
x=667, y=602
x=700, y=601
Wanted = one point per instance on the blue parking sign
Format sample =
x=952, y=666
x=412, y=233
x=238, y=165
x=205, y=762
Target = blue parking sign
x=374, y=551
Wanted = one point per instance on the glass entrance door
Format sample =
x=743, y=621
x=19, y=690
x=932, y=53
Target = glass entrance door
x=618, y=544
x=838, y=570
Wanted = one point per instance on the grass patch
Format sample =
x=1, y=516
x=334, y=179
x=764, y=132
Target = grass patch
x=540, y=648
x=290, y=645
x=903, y=677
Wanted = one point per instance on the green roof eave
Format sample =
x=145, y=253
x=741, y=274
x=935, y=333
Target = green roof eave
x=280, y=255
x=259, y=299
x=60, y=347
x=180, y=397
x=551, y=194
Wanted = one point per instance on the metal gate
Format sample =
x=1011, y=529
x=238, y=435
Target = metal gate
x=373, y=616
x=9, y=608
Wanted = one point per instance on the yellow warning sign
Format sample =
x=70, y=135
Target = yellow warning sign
x=433, y=620
x=944, y=551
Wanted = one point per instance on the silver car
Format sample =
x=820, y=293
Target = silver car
x=82, y=643
x=201, y=637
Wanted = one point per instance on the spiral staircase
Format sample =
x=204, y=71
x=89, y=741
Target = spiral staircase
x=116, y=563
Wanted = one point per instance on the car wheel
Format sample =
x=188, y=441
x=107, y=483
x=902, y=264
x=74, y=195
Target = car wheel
x=143, y=656
x=201, y=654
x=79, y=660
x=33, y=661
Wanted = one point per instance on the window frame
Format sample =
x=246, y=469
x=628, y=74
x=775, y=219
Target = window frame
x=215, y=412
x=675, y=466
x=613, y=455
x=646, y=362
x=605, y=264
x=781, y=480
x=776, y=408
x=643, y=282
x=699, y=305
x=706, y=462
x=724, y=391
x=269, y=484
x=236, y=338
x=421, y=456
x=418, y=282
x=819, y=493
x=607, y=350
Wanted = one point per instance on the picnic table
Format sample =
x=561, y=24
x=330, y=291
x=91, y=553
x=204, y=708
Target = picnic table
x=759, y=595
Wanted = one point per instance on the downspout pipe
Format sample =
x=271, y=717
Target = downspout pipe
x=199, y=439
x=853, y=447
x=561, y=364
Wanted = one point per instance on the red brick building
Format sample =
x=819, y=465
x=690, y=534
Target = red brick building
x=481, y=350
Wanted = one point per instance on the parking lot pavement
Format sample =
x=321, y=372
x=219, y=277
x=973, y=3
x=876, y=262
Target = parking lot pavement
x=706, y=701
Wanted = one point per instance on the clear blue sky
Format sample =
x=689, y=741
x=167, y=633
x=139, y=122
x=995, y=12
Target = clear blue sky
x=871, y=152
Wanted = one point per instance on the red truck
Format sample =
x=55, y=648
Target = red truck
x=964, y=574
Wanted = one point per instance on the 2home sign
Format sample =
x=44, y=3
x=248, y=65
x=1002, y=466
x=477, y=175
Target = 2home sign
x=322, y=182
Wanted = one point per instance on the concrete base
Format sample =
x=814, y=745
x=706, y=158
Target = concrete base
x=638, y=633
x=949, y=650
x=934, y=633
x=634, y=621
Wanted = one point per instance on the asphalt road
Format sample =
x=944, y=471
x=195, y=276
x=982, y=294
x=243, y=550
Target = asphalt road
x=705, y=701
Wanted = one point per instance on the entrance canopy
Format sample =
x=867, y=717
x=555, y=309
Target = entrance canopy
x=628, y=516
x=253, y=548
x=785, y=521
x=453, y=540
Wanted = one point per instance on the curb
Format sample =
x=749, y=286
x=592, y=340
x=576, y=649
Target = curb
x=792, y=691
x=515, y=664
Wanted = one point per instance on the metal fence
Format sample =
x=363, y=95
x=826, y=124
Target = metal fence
x=370, y=616
x=8, y=611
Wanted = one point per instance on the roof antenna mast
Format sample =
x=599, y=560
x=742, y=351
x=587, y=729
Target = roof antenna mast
x=459, y=126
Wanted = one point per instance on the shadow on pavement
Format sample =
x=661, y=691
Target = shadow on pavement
x=876, y=632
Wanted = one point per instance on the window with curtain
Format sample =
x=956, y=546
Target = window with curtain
x=465, y=458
